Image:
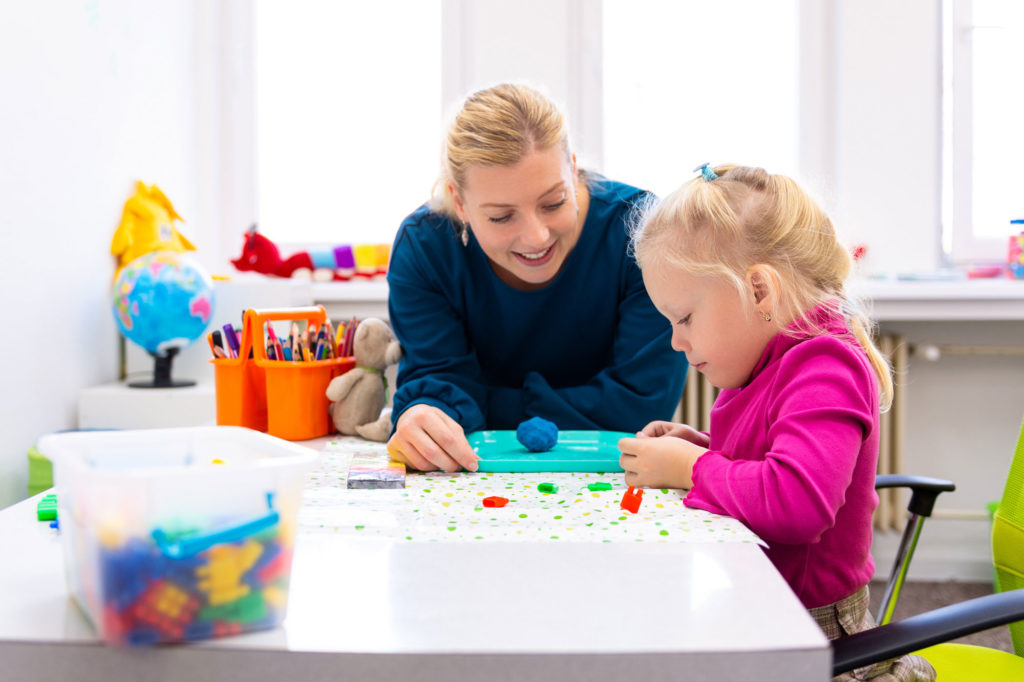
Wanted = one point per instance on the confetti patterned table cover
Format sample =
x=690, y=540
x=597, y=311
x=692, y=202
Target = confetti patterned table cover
x=442, y=507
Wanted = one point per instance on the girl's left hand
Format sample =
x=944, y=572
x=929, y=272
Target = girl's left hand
x=660, y=462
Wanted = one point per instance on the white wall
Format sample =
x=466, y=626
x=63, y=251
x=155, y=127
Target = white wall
x=95, y=95
x=962, y=421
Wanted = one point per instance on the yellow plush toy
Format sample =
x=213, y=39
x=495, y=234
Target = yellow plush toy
x=147, y=224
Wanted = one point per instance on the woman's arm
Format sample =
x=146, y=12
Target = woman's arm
x=438, y=366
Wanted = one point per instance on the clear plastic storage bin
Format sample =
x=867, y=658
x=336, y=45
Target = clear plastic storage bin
x=174, y=535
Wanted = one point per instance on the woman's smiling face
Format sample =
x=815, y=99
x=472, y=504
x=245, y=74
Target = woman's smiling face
x=526, y=217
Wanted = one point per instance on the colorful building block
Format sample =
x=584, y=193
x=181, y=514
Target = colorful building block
x=46, y=509
x=221, y=578
x=632, y=499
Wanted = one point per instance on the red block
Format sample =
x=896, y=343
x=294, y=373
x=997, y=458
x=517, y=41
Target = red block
x=495, y=501
x=632, y=499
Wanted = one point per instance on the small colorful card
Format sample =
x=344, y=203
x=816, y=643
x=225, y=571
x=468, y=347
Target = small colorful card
x=375, y=470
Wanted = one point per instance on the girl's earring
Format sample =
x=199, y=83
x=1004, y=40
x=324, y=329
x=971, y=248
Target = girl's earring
x=767, y=317
x=464, y=236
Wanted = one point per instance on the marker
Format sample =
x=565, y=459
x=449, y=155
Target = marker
x=350, y=336
x=321, y=344
x=232, y=339
x=275, y=343
x=217, y=339
x=339, y=339
x=293, y=340
x=329, y=335
x=313, y=338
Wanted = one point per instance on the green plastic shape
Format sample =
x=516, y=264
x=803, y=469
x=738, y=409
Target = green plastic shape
x=599, y=486
x=547, y=488
x=584, y=451
x=46, y=509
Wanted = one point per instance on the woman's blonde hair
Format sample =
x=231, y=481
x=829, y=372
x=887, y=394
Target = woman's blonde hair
x=744, y=217
x=497, y=127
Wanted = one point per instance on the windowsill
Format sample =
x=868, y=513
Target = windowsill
x=965, y=299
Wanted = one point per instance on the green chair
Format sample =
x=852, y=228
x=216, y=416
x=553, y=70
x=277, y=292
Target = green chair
x=934, y=629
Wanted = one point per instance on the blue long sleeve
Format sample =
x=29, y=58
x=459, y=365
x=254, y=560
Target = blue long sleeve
x=587, y=351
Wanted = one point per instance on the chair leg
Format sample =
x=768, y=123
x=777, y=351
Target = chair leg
x=904, y=554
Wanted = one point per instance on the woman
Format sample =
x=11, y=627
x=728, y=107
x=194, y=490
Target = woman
x=513, y=293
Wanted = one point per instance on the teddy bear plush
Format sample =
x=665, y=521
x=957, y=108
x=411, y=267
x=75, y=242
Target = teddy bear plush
x=358, y=396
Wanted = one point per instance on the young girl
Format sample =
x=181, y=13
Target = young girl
x=748, y=271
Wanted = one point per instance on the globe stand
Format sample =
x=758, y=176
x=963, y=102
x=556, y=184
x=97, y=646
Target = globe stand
x=162, y=373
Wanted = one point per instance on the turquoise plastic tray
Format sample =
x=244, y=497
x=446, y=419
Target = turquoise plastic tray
x=596, y=451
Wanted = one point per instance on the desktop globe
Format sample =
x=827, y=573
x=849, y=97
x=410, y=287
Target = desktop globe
x=162, y=301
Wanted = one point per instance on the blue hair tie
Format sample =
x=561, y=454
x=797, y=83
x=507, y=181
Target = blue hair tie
x=705, y=170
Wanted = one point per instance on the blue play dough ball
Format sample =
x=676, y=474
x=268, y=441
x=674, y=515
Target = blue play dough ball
x=537, y=434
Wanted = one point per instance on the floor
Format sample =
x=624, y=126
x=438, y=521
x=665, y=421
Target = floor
x=920, y=596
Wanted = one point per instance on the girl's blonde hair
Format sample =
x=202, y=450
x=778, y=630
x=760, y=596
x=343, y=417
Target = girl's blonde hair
x=497, y=127
x=745, y=217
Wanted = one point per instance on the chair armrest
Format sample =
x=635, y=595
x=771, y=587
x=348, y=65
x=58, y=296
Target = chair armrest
x=925, y=629
x=924, y=490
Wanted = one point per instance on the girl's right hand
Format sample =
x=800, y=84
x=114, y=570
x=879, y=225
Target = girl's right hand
x=662, y=428
x=427, y=439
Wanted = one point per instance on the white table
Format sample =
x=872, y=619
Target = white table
x=383, y=609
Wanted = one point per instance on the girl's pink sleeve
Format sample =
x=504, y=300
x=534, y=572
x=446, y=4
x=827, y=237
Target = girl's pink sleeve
x=820, y=410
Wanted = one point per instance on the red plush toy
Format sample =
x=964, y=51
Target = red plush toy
x=259, y=254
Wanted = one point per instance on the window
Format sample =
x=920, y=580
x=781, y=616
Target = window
x=983, y=178
x=693, y=82
x=348, y=117
x=349, y=99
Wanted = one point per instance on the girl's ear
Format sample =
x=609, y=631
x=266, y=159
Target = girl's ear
x=460, y=208
x=763, y=282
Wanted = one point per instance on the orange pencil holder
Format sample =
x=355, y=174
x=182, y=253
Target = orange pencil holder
x=285, y=398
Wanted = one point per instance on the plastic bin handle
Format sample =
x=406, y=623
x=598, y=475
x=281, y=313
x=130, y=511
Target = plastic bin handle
x=255, y=319
x=189, y=547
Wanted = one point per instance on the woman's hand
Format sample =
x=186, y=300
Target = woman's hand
x=659, y=461
x=660, y=428
x=427, y=439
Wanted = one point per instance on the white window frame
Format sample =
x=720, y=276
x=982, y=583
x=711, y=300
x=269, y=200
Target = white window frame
x=960, y=243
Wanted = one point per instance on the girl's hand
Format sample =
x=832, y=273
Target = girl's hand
x=427, y=439
x=659, y=462
x=660, y=428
